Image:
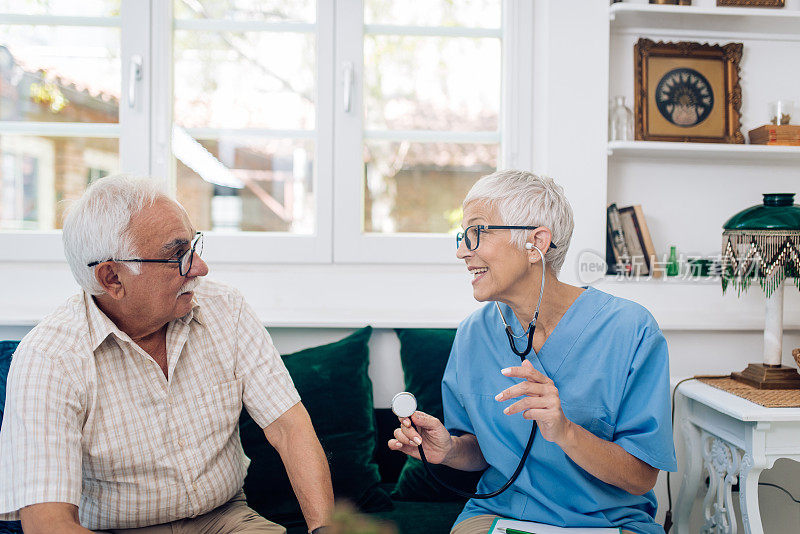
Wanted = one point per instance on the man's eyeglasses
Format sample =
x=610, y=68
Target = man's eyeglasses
x=472, y=235
x=184, y=261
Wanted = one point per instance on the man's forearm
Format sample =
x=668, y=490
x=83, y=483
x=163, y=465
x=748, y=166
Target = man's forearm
x=310, y=476
x=293, y=436
x=608, y=461
x=466, y=454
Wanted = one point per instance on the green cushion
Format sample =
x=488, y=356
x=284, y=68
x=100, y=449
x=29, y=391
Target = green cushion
x=424, y=354
x=335, y=389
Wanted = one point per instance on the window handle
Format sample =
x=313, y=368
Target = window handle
x=348, y=85
x=135, y=76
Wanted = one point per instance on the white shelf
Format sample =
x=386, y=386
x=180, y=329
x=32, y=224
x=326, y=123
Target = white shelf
x=728, y=20
x=706, y=151
x=690, y=306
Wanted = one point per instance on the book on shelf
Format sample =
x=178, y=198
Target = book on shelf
x=633, y=230
x=622, y=257
x=776, y=134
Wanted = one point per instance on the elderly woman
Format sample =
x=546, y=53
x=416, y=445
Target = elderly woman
x=595, y=379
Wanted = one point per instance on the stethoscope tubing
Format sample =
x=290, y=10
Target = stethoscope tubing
x=468, y=495
x=522, y=355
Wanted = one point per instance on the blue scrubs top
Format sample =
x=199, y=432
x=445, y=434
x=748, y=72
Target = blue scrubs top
x=609, y=361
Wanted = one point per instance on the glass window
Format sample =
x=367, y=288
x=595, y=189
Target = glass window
x=53, y=72
x=418, y=187
x=431, y=110
x=252, y=10
x=84, y=8
x=245, y=113
x=60, y=74
x=445, y=13
x=38, y=172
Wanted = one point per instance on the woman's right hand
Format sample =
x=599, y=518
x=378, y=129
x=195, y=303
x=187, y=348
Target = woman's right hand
x=430, y=433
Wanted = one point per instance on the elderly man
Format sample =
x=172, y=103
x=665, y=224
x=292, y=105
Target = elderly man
x=123, y=405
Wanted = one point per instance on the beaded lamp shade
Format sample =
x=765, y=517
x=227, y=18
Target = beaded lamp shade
x=762, y=243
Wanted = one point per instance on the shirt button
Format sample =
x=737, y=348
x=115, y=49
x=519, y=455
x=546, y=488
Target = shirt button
x=180, y=443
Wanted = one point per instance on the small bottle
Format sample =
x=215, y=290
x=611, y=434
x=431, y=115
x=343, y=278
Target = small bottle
x=673, y=268
x=620, y=121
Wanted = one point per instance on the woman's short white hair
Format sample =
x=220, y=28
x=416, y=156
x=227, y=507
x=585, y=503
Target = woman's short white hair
x=526, y=199
x=97, y=225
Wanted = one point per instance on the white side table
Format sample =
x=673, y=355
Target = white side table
x=728, y=438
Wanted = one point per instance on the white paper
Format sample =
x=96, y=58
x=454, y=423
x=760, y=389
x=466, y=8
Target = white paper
x=500, y=526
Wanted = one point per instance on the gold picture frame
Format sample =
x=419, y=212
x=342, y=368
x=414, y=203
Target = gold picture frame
x=751, y=3
x=687, y=92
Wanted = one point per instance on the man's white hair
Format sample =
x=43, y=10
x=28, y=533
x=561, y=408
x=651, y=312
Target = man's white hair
x=97, y=225
x=526, y=199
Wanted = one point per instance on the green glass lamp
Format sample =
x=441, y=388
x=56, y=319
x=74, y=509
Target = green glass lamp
x=761, y=244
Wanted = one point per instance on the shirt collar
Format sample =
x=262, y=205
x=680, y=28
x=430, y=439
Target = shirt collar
x=195, y=313
x=100, y=326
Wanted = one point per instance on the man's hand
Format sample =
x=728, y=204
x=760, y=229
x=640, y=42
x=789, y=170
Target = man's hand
x=541, y=402
x=48, y=517
x=430, y=433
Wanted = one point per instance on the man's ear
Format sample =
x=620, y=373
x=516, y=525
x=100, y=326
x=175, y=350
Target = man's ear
x=106, y=275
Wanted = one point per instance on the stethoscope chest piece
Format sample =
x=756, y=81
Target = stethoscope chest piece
x=404, y=404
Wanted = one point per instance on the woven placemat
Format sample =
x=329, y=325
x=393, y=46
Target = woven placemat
x=769, y=398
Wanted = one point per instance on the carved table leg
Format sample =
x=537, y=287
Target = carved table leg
x=692, y=474
x=722, y=461
x=748, y=495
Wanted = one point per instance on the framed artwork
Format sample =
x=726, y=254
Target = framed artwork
x=687, y=92
x=751, y=3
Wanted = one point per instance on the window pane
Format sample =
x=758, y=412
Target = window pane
x=58, y=73
x=468, y=13
x=431, y=83
x=71, y=8
x=264, y=10
x=247, y=184
x=37, y=173
x=419, y=187
x=211, y=68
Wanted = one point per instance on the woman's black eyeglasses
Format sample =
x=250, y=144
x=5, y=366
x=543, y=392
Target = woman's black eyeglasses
x=184, y=261
x=472, y=235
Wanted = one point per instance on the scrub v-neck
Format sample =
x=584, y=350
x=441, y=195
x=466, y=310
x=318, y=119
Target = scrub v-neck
x=563, y=325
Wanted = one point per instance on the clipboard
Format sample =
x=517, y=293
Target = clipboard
x=508, y=526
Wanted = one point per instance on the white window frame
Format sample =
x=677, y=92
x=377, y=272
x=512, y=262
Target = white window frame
x=352, y=244
x=263, y=247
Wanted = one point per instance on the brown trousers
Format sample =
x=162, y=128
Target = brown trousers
x=233, y=517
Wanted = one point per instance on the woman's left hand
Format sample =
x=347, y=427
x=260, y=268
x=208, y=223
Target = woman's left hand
x=541, y=402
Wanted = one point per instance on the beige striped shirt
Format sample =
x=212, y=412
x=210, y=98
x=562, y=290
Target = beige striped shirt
x=91, y=420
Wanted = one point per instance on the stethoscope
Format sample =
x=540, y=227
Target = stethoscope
x=404, y=404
